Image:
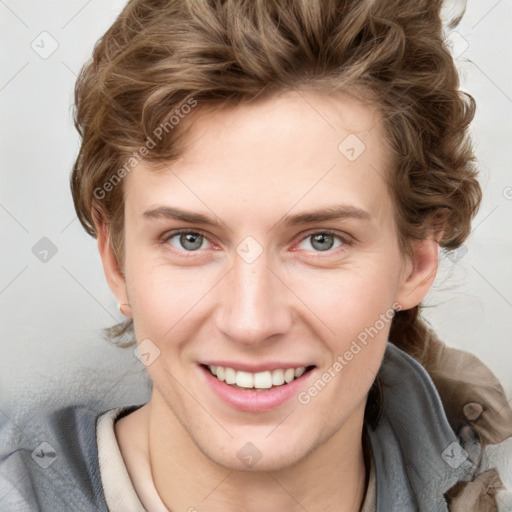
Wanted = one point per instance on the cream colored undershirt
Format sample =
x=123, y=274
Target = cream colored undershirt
x=119, y=492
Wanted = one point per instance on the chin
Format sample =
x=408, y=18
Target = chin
x=258, y=452
x=259, y=463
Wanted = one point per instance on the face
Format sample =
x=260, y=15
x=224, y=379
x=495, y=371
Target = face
x=268, y=248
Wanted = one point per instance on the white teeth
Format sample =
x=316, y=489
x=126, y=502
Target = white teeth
x=244, y=379
x=263, y=380
x=260, y=380
x=289, y=375
x=299, y=371
x=230, y=375
x=277, y=377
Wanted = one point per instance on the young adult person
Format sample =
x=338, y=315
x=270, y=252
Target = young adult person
x=270, y=183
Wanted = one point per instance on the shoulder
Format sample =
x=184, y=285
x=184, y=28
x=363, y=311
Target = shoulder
x=421, y=453
x=49, y=461
x=471, y=394
x=480, y=413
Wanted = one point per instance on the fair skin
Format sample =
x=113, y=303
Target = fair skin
x=301, y=302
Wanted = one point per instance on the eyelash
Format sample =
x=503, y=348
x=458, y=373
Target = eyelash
x=346, y=240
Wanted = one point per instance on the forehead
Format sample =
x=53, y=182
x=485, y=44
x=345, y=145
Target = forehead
x=299, y=150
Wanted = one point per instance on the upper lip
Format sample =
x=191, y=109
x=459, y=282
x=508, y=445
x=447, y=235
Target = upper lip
x=255, y=368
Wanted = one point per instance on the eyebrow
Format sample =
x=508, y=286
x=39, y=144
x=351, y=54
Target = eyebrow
x=324, y=214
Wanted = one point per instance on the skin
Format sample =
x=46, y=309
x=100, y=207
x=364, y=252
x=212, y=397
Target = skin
x=247, y=167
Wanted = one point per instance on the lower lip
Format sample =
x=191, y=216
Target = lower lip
x=255, y=401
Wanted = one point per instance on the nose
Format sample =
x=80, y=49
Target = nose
x=254, y=302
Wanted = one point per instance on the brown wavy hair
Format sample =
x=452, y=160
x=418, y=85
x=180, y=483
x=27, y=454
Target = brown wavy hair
x=160, y=55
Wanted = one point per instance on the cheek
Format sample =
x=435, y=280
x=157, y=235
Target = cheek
x=165, y=301
x=350, y=299
x=358, y=312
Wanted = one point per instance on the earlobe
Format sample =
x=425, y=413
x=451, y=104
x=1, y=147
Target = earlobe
x=419, y=273
x=125, y=310
x=113, y=274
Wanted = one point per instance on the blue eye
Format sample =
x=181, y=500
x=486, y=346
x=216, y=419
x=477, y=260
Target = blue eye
x=190, y=241
x=193, y=241
x=323, y=241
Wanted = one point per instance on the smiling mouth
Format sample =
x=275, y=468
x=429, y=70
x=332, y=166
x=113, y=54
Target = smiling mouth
x=260, y=381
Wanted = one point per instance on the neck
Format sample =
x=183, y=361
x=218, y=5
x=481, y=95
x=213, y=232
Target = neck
x=330, y=478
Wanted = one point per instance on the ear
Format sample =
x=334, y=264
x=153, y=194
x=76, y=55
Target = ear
x=113, y=273
x=419, y=272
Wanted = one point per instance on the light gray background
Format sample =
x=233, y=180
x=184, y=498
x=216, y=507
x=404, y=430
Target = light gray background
x=52, y=312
